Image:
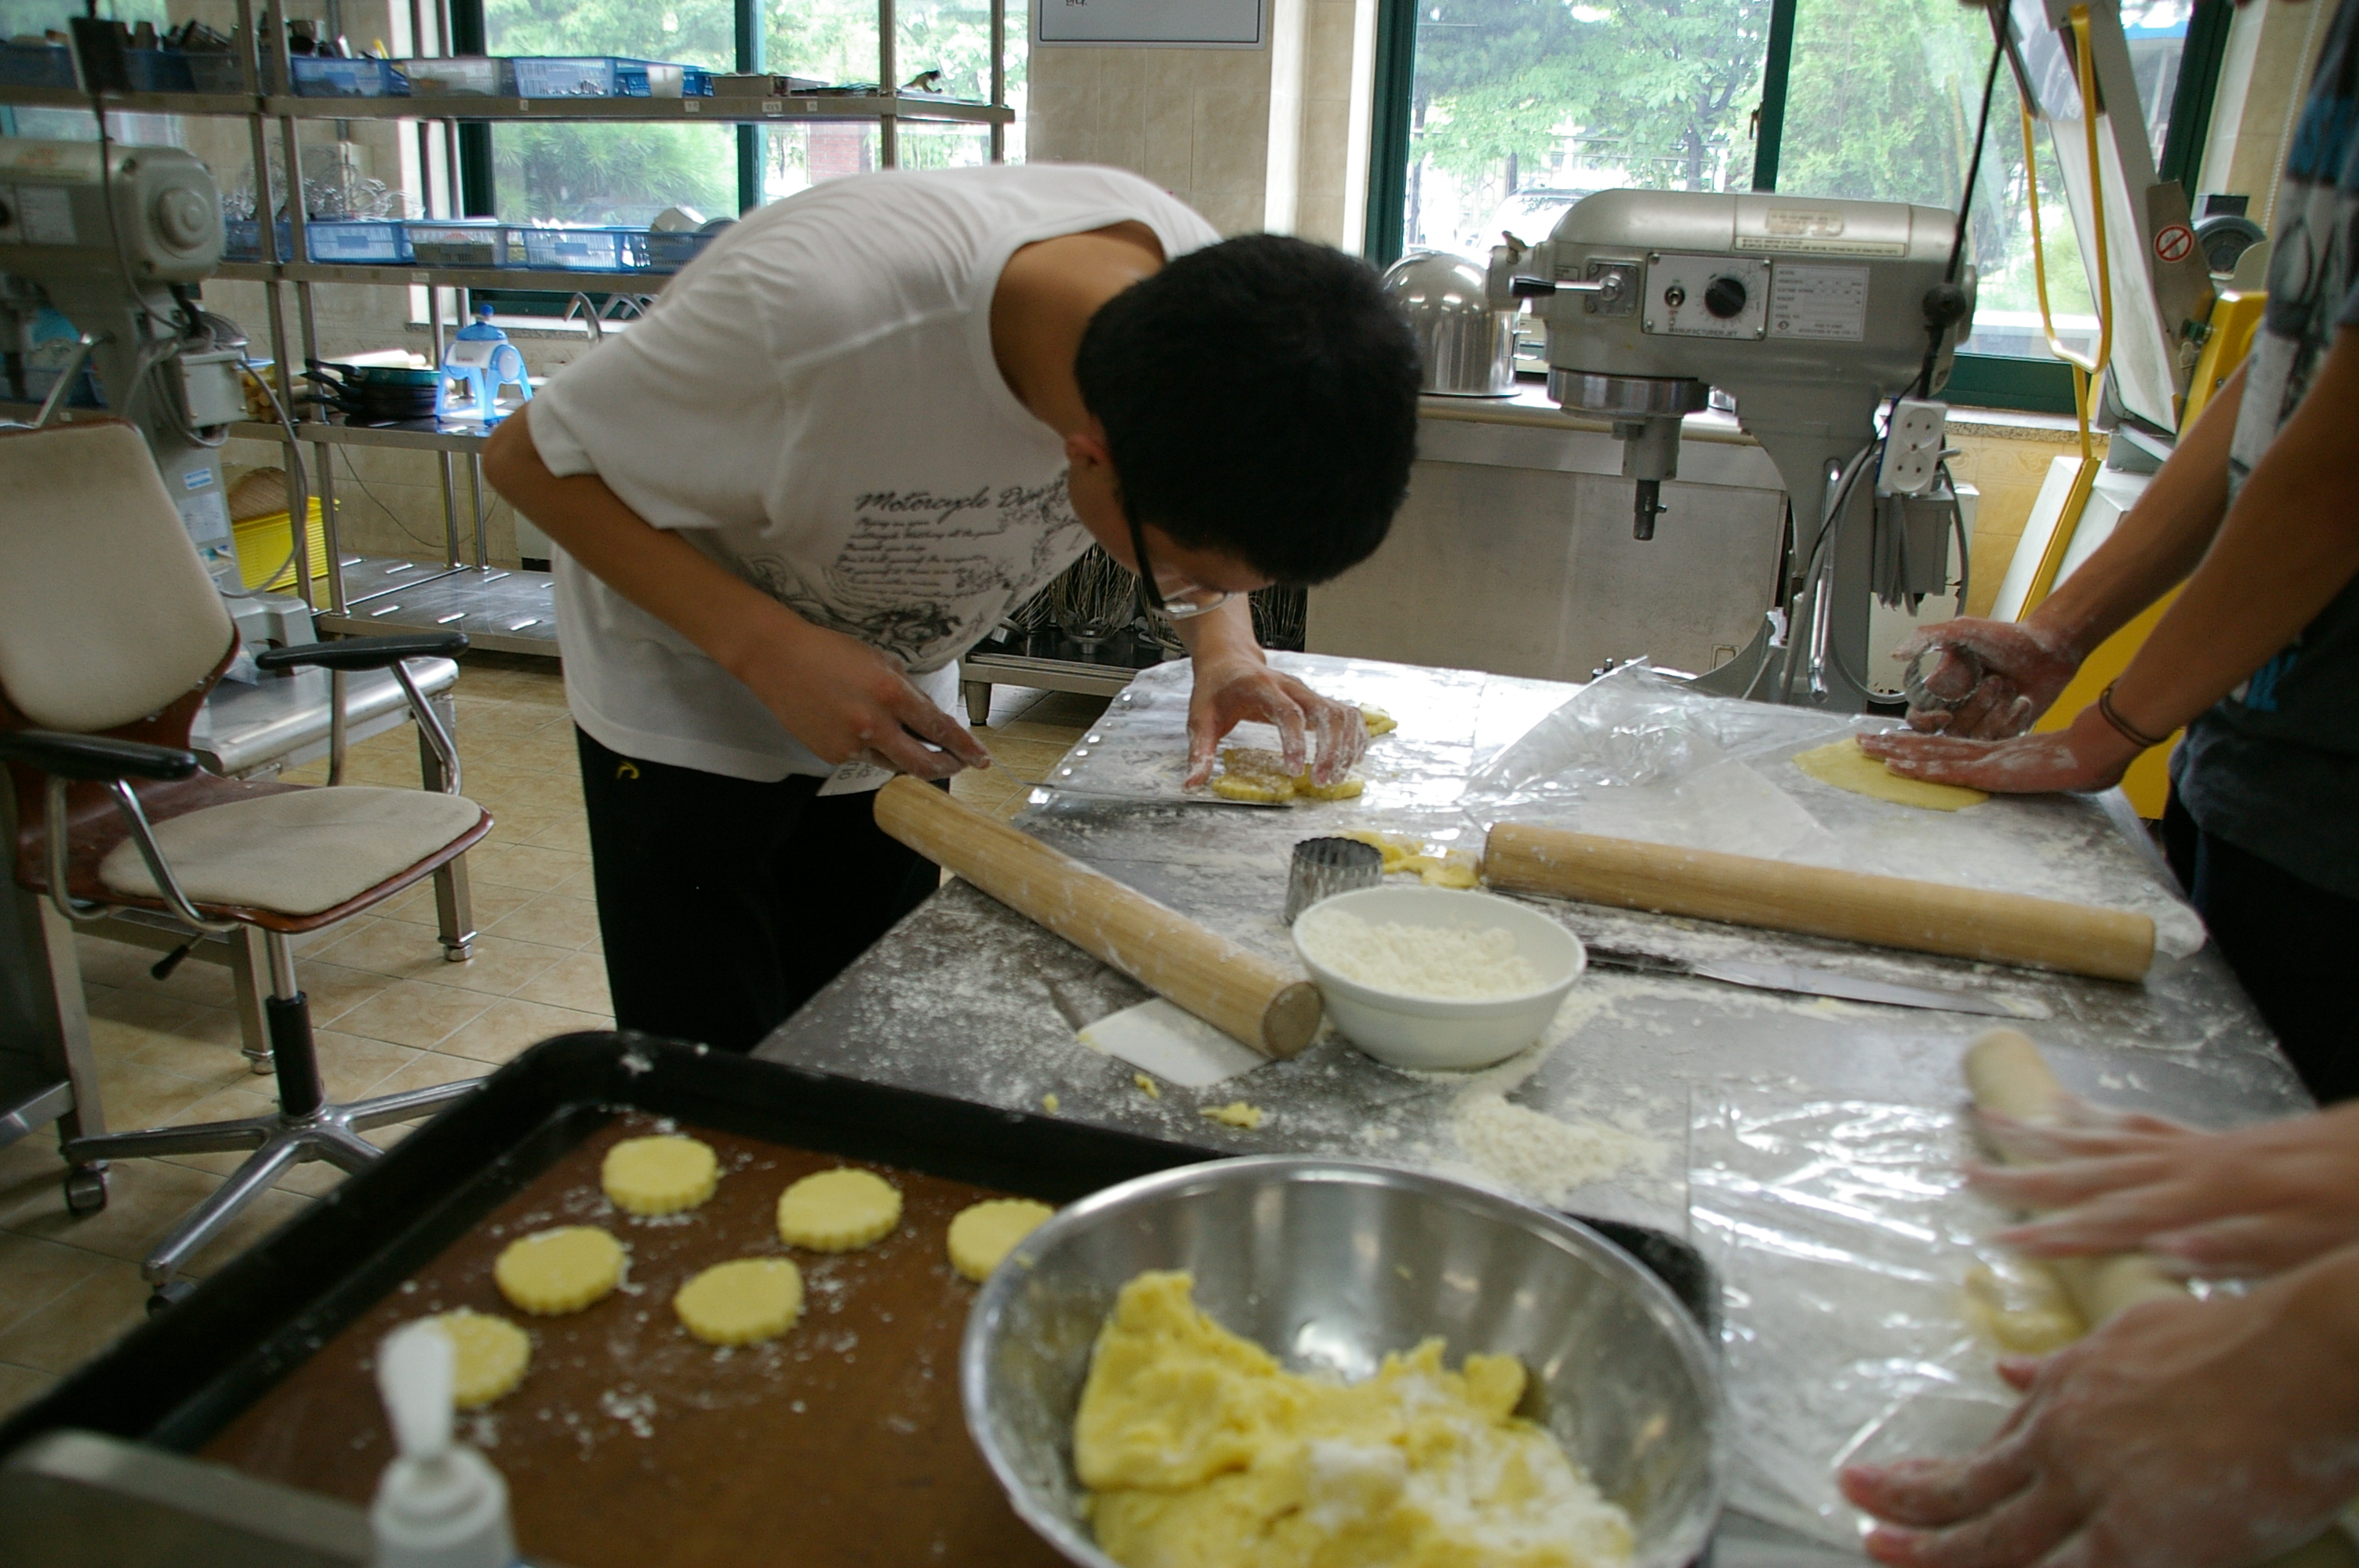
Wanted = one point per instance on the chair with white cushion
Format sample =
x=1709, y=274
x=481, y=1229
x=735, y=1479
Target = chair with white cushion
x=111, y=633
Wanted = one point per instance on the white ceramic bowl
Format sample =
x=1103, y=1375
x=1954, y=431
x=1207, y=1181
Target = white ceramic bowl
x=1430, y=1034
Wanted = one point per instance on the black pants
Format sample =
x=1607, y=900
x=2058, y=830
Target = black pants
x=725, y=905
x=2291, y=943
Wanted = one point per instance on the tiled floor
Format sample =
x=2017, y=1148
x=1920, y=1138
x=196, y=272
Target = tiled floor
x=390, y=1014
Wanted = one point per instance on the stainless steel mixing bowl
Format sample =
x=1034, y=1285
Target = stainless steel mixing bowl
x=1331, y=1263
x=1469, y=347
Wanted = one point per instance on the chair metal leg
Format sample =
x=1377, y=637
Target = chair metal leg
x=224, y=1204
x=454, y=908
x=198, y=1137
x=249, y=969
x=344, y=1149
x=406, y=1106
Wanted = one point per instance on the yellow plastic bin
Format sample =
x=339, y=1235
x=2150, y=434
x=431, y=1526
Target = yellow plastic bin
x=263, y=542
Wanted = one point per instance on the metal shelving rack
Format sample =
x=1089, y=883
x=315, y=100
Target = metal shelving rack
x=507, y=610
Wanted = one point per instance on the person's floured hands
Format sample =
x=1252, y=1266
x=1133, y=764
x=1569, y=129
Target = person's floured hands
x=1325, y=736
x=2255, y=1201
x=2006, y=676
x=2219, y=1434
x=846, y=700
x=2090, y=754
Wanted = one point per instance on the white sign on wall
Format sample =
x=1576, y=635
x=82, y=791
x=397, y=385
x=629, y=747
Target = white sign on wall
x=1150, y=24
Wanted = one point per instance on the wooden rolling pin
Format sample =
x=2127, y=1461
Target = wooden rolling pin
x=1892, y=912
x=2008, y=1076
x=1233, y=991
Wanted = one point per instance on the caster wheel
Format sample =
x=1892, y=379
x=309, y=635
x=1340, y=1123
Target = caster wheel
x=167, y=1295
x=85, y=1193
x=262, y=1065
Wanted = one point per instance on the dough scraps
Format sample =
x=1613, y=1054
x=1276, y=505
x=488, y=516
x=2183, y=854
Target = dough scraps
x=1441, y=868
x=488, y=1356
x=1379, y=722
x=1147, y=1086
x=659, y=1175
x=1845, y=766
x=743, y=1301
x=1236, y=1113
x=560, y=1271
x=986, y=1232
x=1249, y=773
x=1198, y=1448
x=839, y=1211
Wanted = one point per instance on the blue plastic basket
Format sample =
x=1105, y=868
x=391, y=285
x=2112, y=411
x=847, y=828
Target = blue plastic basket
x=37, y=65
x=328, y=76
x=357, y=240
x=669, y=251
x=631, y=80
x=459, y=242
x=585, y=249
x=597, y=76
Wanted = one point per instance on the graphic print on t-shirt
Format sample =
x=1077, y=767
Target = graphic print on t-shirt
x=922, y=574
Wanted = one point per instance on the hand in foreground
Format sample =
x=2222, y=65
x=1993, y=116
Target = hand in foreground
x=845, y=699
x=2217, y=1434
x=2255, y=1201
x=2089, y=754
x=1326, y=735
x=2023, y=669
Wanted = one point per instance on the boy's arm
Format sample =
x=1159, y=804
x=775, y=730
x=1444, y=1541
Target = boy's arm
x=835, y=694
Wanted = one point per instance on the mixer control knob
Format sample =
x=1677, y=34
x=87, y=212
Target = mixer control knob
x=184, y=218
x=1724, y=297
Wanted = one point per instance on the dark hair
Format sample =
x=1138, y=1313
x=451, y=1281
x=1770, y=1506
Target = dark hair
x=1259, y=397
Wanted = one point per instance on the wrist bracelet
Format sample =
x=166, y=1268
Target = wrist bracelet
x=2112, y=716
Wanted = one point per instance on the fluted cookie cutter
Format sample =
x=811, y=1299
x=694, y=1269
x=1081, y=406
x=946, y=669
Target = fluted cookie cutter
x=1321, y=868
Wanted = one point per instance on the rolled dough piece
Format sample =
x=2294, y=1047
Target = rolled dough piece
x=559, y=1271
x=659, y=1175
x=2008, y=1076
x=741, y=1301
x=1379, y=722
x=488, y=1356
x=1845, y=766
x=1450, y=868
x=2020, y=1307
x=1236, y=1113
x=982, y=1235
x=838, y=1211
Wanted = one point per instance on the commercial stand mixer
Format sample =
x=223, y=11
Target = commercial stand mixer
x=1814, y=315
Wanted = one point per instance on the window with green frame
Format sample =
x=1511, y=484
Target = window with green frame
x=1497, y=115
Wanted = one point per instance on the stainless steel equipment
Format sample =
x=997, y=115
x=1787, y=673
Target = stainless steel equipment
x=112, y=236
x=1469, y=342
x=1810, y=312
x=1331, y=1263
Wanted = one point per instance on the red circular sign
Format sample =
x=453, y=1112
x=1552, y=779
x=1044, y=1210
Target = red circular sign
x=2174, y=242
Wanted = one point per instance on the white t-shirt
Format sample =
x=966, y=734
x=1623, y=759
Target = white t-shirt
x=814, y=404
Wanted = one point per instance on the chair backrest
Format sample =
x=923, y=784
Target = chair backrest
x=107, y=613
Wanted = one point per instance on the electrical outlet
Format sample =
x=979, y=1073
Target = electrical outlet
x=1912, y=447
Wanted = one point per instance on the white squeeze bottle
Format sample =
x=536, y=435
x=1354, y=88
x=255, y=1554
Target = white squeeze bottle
x=441, y=1504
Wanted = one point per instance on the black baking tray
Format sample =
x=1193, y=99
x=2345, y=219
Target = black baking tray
x=182, y=1377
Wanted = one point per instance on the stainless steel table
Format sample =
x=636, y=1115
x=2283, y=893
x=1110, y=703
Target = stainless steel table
x=967, y=998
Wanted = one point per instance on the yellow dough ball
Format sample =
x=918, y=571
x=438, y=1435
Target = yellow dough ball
x=659, y=1175
x=559, y=1271
x=488, y=1356
x=741, y=1301
x=1379, y=722
x=982, y=1235
x=838, y=1211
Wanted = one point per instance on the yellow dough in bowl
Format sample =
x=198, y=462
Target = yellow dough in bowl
x=1200, y=1450
x=986, y=1232
x=559, y=1271
x=659, y=1175
x=1845, y=766
x=488, y=1356
x=741, y=1301
x=838, y=1211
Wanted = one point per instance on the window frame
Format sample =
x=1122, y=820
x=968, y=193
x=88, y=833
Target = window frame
x=1990, y=381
